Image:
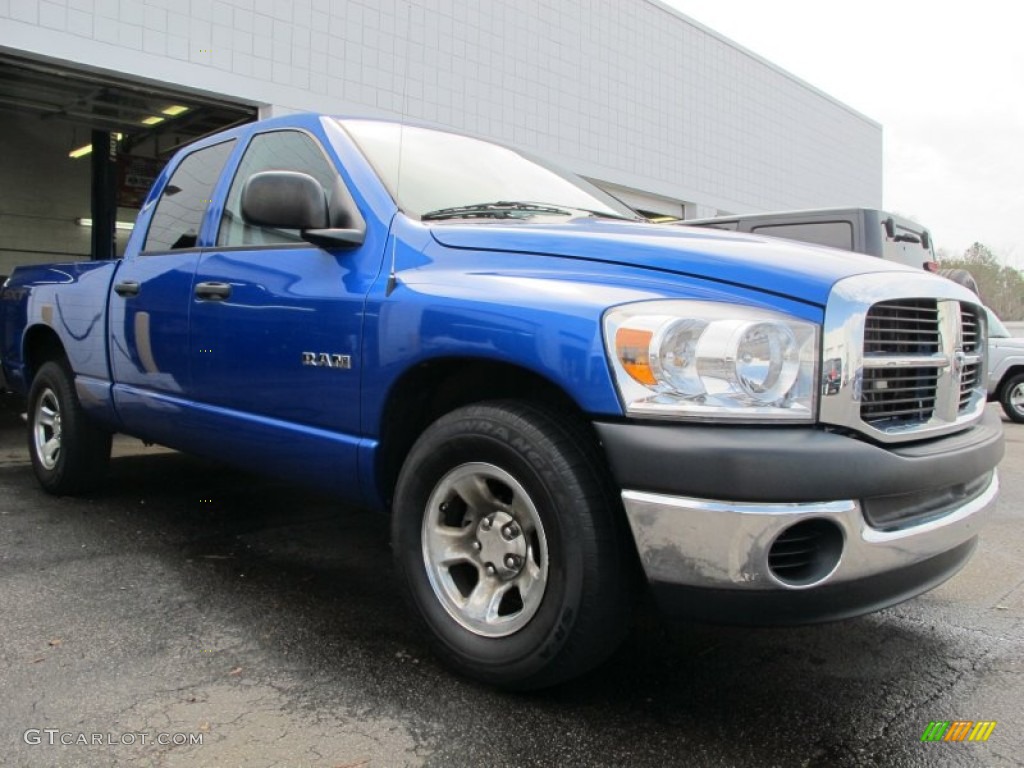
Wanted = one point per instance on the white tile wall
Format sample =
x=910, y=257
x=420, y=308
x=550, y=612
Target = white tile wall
x=624, y=91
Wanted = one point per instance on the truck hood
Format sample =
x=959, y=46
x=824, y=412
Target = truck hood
x=783, y=267
x=1012, y=344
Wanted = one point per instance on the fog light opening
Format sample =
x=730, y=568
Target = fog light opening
x=806, y=553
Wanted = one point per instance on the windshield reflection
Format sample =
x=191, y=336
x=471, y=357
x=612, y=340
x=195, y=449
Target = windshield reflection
x=428, y=170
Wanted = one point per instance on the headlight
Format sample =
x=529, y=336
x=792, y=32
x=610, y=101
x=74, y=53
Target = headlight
x=709, y=360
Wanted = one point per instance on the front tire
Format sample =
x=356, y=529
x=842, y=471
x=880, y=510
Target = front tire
x=69, y=453
x=1011, y=396
x=509, y=539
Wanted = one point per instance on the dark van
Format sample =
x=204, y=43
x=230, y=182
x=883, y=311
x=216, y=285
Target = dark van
x=864, y=230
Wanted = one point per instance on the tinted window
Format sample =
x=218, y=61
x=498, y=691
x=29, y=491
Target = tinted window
x=179, y=213
x=835, y=234
x=275, y=151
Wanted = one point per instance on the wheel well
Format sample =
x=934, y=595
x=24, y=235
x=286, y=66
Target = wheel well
x=41, y=344
x=430, y=390
x=1015, y=370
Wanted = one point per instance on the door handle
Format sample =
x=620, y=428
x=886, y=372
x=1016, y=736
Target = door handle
x=213, y=291
x=127, y=288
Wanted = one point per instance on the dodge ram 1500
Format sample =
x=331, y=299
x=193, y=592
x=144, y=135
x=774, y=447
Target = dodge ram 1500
x=550, y=397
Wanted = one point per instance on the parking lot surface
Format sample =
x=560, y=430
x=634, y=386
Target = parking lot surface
x=194, y=603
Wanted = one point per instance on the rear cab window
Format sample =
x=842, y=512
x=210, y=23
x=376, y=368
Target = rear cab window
x=183, y=202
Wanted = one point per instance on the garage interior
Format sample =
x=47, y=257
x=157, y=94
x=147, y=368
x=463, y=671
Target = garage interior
x=81, y=148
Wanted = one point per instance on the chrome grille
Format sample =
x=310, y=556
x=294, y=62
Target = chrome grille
x=905, y=367
x=902, y=357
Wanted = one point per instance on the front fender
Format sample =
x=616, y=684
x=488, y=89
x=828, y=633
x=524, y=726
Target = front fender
x=540, y=313
x=1001, y=368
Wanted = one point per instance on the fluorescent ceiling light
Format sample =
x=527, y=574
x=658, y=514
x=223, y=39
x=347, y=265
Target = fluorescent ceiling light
x=175, y=110
x=152, y=120
x=85, y=150
x=125, y=225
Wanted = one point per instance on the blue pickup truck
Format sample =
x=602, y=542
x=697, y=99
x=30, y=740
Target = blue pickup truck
x=558, y=404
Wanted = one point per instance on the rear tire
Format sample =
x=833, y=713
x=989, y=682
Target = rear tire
x=1011, y=396
x=69, y=453
x=511, y=545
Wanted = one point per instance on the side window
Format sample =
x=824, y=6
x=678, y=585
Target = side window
x=275, y=151
x=835, y=234
x=179, y=212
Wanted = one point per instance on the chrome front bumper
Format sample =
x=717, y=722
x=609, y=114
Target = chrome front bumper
x=720, y=545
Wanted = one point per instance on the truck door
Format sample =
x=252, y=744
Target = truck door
x=276, y=325
x=151, y=297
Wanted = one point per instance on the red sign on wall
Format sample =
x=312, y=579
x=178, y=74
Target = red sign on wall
x=135, y=177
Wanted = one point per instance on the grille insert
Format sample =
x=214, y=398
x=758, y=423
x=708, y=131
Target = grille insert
x=905, y=327
x=971, y=377
x=911, y=370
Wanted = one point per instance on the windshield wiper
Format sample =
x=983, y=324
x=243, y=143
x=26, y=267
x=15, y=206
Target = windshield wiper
x=505, y=209
x=501, y=209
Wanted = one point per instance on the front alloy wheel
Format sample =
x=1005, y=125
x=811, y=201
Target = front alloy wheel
x=512, y=544
x=485, y=550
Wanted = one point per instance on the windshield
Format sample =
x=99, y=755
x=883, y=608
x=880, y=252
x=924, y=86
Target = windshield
x=441, y=171
x=996, y=329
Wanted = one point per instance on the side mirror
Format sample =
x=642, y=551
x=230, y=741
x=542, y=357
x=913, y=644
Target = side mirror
x=284, y=200
x=291, y=200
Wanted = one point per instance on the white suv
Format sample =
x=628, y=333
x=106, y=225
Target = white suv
x=1005, y=368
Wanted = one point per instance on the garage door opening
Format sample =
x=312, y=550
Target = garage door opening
x=80, y=151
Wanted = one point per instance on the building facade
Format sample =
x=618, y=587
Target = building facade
x=669, y=115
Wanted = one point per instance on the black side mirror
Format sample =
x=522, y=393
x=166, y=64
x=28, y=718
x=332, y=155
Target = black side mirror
x=291, y=200
x=284, y=200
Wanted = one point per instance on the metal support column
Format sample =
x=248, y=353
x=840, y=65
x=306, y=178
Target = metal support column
x=104, y=194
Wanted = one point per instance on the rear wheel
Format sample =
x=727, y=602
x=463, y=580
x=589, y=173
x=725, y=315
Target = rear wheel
x=508, y=538
x=69, y=453
x=1011, y=396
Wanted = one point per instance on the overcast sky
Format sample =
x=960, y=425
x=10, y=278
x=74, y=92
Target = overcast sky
x=945, y=80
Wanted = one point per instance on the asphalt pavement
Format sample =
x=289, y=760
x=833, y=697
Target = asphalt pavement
x=194, y=615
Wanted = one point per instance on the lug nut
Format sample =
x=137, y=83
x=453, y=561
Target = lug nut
x=491, y=570
x=485, y=524
x=510, y=531
x=511, y=561
x=476, y=545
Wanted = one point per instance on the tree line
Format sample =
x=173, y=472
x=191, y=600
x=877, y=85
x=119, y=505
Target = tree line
x=1001, y=287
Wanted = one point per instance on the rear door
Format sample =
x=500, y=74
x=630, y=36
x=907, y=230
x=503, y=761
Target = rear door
x=151, y=297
